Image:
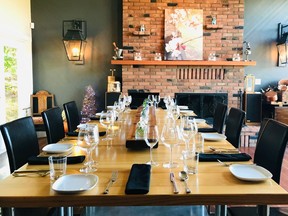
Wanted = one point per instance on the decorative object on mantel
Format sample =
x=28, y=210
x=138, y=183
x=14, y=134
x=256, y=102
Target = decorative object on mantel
x=247, y=51
x=249, y=83
x=137, y=56
x=118, y=52
x=183, y=34
x=113, y=86
x=157, y=57
x=214, y=20
x=236, y=57
x=74, y=39
x=282, y=45
x=212, y=57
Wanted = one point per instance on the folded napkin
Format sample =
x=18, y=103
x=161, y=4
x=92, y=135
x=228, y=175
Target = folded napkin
x=139, y=179
x=73, y=133
x=224, y=157
x=138, y=144
x=34, y=160
x=94, y=117
x=206, y=130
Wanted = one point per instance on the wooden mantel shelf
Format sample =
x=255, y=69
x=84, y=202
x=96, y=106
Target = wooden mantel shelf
x=186, y=63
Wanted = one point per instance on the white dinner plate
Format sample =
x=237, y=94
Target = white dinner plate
x=199, y=121
x=250, y=172
x=57, y=148
x=213, y=136
x=75, y=183
x=111, y=107
x=187, y=112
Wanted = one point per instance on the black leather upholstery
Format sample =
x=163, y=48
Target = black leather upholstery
x=21, y=141
x=218, y=119
x=72, y=115
x=269, y=153
x=54, y=126
x=234, y=126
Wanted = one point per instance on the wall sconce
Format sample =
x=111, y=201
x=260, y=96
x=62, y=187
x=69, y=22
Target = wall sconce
x=282, y=44
x=74, y=39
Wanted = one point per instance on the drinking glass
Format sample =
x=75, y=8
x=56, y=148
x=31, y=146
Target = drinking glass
x=88, y=138
x=188, y=129
x=151, y=138
x=170, y=137
x=107, y=120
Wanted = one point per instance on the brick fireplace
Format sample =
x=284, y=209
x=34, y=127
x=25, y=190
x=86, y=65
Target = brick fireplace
x=225, y=39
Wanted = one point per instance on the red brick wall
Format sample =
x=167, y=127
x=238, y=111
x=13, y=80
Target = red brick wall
x=225, y=42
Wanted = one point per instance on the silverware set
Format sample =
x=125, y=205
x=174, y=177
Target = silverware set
x=23, y=173
x=112, y=180
x=172, y=179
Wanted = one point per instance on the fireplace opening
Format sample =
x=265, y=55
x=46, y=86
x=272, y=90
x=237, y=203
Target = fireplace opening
x=202, y=104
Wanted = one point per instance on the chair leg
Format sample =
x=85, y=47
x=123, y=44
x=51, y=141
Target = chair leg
x=263, y=210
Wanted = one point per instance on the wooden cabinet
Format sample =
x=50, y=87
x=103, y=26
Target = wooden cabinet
x=281, y=114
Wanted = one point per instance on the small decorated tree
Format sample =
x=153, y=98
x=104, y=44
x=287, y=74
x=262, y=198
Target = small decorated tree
x=89, y=104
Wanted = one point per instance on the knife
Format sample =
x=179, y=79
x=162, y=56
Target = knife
x=30, y=171
x=172, y=179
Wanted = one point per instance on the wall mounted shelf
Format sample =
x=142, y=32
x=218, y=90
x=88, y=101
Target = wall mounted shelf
x=184, y=63
x=141, y=33
x=214, y=27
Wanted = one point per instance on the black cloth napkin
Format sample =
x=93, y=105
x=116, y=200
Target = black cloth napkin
x=73, y=133
x=34, y=160
x=139, y=179
x=206, y=130
x=94, y=118
x=224, y=157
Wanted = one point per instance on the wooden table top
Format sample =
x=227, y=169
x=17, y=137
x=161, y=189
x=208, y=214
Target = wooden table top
x=214, y=184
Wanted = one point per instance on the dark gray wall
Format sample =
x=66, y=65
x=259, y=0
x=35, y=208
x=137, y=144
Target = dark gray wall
x=52, y=71
x=260, y=29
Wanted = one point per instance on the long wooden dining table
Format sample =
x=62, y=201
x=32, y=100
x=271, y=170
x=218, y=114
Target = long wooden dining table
x=212, y=185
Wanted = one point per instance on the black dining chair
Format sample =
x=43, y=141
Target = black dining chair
x=21, y=142
x=234, y=124
x=53, y=123
x=72, y=115
x=269, y=153
x=219, y=117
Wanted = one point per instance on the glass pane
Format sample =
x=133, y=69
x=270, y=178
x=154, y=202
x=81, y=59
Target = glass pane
x=11, y=83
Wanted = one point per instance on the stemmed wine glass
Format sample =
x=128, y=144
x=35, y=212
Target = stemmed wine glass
x=107, y=120
x=157, y=100
x=150, y=100
x=170, y=137
x=175, y=112
x=88, y=138
x=188, y=129
x=151, y=137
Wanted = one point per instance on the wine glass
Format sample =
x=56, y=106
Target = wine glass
x=150, y=100
x=107, y=120
x=151, y=137
x=157, y=100
x=188, y=129
x=175, y=112
x=170, y=137
x=88, y=138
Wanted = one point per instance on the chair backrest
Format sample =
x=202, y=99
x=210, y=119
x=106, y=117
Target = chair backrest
x=72, y=115
x=234, y=124
x=53, y=123
x=21, y=141
x=219, y=117
x=271, y=145
x=41, y=101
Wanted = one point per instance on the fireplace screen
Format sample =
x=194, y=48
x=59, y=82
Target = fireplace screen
x=183, y=34
x=203, y=104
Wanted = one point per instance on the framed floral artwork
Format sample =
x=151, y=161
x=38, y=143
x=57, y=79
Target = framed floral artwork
x=183, y=34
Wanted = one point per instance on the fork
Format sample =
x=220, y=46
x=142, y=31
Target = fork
x=223, y=163
x=112, y=180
